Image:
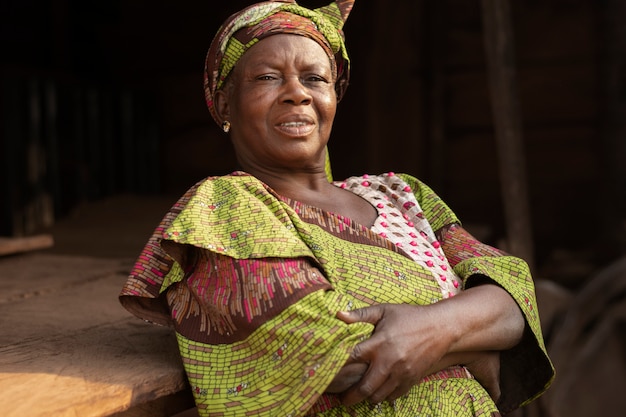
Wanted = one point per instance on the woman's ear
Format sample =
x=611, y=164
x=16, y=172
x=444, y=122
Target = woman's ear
x=222, y=108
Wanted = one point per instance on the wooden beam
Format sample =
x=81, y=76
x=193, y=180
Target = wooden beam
x=12, y=245
x=500, y=53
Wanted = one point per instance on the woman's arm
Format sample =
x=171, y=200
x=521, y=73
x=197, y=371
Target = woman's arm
x=411, y=341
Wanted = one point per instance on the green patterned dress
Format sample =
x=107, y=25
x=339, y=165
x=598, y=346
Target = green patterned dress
x=252, y=281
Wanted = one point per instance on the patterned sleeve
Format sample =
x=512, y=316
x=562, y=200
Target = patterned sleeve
x=526, y=370
x=435, y=209
x=153, y=272
x=223, y=299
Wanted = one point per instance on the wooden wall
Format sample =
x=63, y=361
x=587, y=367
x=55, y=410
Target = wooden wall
x=418, y=102
x=423, y=106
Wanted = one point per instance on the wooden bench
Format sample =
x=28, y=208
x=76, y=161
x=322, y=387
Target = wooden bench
x=67, y=348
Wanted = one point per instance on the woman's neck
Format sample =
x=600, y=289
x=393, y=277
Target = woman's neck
x=315, y=190
x=296, y=185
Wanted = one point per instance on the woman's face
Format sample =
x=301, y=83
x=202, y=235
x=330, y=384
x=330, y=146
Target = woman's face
x=281, y=104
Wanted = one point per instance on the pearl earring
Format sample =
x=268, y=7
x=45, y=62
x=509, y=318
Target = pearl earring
x=226, y=126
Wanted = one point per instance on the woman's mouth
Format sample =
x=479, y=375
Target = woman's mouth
x=296, y=129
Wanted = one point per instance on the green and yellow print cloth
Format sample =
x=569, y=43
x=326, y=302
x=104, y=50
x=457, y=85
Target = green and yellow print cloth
x=252, y=282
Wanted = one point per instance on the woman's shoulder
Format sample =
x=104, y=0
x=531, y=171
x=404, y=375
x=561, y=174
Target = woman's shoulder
x=219, y=190
x=233, y=177
x=213, y=192
x=220, y=183
x=234, y=215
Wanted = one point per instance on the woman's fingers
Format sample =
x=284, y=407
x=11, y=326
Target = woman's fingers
x=398, y=392
x=371, y=383
x=367, y=314
x=486, y=370
x=347, y=376
x=398, y=353
x=377, y=388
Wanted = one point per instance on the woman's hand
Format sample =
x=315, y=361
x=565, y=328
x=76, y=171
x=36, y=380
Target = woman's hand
x=408, y=341
x=485, y=366
x=348, y=375
x=411, y=341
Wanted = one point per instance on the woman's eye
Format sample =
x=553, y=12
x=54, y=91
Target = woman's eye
x=315, y=78
x=266, y=77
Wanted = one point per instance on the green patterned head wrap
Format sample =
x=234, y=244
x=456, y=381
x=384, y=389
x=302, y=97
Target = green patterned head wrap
x=248, y=26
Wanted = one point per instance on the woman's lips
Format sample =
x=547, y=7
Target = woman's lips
x=296, y=129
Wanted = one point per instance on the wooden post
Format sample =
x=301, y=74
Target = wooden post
x=435, y=86
x=500, y=53
x=612, y=188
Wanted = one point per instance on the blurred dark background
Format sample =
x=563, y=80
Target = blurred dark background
x=105, y=98
x=103, y=125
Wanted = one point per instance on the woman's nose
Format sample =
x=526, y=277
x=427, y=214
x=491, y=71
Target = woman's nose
x=295, y=92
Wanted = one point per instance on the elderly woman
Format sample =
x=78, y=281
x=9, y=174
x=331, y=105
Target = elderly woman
x=292, y=294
